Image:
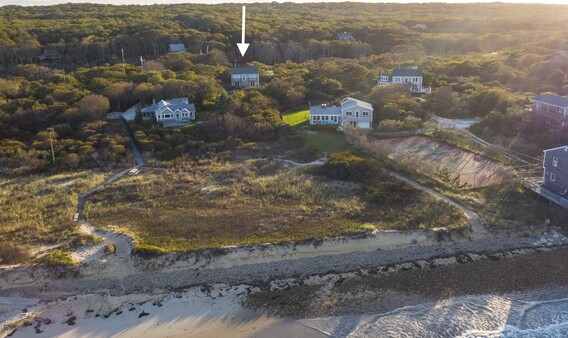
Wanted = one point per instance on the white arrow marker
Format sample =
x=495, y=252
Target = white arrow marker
x=243, y=46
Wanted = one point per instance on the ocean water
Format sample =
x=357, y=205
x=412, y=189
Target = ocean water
x=466, y=317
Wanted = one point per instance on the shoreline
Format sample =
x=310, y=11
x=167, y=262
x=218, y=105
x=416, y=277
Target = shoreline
x=124, y=273
x=287, y=307
x=271, y=291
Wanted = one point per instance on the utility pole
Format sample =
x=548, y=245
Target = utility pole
x=122, y=51
x=50, y=130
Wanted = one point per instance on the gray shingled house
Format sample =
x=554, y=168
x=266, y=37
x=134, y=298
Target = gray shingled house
x=552, y=110
x=173, y=112
x=413, y=77
x=245, y=77
x=344, y=36
x=356, y=113
x=50, y=54
x=555, y=165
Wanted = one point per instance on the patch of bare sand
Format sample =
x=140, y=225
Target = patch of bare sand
x=199, y=312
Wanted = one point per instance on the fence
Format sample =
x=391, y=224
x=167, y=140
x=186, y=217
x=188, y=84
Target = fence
x=403, y=133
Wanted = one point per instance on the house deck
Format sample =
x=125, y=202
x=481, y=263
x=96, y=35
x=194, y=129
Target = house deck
x=537, y=187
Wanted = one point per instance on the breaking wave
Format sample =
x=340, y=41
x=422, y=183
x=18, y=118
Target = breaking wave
x=465, y=317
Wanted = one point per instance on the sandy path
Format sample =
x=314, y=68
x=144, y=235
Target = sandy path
x=117, y=264
x=476, y=222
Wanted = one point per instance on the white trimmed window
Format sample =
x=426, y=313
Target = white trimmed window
x=555, y=161
x=552, y=177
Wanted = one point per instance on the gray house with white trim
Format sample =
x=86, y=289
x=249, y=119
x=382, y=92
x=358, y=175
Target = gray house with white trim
x=245, y=77
x=356, y=113
x=173, y=112
x=412, y=77
x=344, y=36
x=555, y=164
x=552, y=110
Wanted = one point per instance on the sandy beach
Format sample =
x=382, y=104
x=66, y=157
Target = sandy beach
x=333, y=304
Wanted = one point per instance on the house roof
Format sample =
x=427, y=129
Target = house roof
x=173, y=104
x=244, y=70
x=325, y=110
x=407, y=72
x=557, y=148
x=554, y=100
x=51, y=52
x=350, y=102
x=177, y=47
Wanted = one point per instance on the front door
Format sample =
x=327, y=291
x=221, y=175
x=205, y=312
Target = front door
x=178, y=117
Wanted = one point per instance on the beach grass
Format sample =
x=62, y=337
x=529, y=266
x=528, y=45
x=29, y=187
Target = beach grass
x=326, y=138
x=251, y=202
x=38, y=211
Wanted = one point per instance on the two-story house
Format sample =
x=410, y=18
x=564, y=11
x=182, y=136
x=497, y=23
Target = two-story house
x=552, y=110
x=173, y=112
x=555, y=164
x=412, y=77
x=245, y=77
x=356, y=113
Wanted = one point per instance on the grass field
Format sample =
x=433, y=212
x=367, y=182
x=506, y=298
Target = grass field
x=296, y=118
x=38, y=210
x=325, y=138
x=249, y=203
x=508, y=204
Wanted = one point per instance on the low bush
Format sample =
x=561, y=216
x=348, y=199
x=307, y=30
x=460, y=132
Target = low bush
x=11, y=254
x=56, y=258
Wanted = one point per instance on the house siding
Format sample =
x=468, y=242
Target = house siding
x=353, y=112
x=560, y=184
x=361, y=121
x=553, y=117
x=245, y=80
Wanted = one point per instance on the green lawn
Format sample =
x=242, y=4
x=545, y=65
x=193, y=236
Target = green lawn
x=296, y=118
x=326, y=138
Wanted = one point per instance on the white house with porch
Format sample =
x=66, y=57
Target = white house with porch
x=173, y=112
x=356, y=113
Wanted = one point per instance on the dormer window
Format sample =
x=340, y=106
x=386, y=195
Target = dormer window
x=552, y=177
